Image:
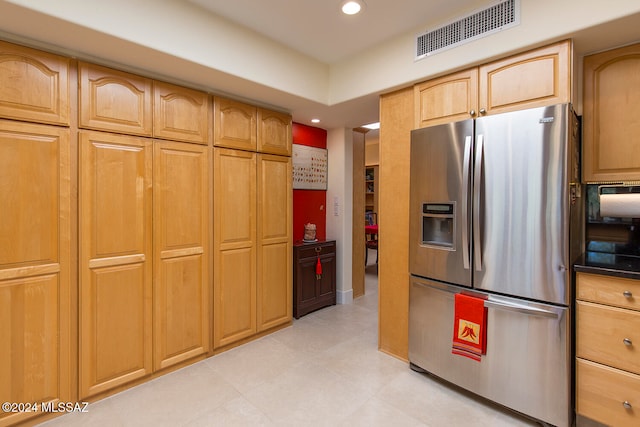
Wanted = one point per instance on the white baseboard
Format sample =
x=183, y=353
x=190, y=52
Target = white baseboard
x=344, y=297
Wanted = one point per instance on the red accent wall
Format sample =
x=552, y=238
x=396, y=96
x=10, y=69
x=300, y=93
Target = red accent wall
x=309, y=205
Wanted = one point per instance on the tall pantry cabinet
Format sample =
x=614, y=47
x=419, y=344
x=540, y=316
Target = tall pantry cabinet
x=144, y=234
x=35, y=229
x=115, y=229
x=181, y=224
x=109, y=196
x=274, y=228
x=252, y=221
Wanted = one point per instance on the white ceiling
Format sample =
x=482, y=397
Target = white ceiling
x=319, y=29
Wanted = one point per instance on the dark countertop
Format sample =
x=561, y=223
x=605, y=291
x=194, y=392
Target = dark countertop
x=609, y=265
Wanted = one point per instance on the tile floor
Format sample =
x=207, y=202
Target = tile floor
x=325, y=370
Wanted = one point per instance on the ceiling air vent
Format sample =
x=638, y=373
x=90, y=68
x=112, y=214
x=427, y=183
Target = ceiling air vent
x=503, y=15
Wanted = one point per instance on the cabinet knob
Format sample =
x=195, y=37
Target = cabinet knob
x=318, y=249
x=627, y=294
x=472, y=113
x=626, y=404
x=483, y=111
x=627, y=342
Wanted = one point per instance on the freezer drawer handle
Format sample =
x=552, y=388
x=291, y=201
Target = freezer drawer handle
x=626, y=404
x=627, y=342
x=532, y=311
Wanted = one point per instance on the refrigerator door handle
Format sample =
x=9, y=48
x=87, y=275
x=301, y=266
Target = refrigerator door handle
x=477, y=246
x=519, y=308
x=465, y=200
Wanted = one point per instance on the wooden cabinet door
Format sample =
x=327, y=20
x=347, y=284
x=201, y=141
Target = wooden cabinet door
x=180, y=114
x=446, y=99
x=307, y=292
x=234, y=124
x=34, y=85
x=611, y=128
x=234, y=272
x=326, y=286
x=115, y=260
x=114, y=101
x=181, y=252
x=274, y=241
x=35, y=310
x=532, y=79
x=274, y=132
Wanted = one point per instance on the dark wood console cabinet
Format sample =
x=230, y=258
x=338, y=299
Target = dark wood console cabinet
x=310, y=292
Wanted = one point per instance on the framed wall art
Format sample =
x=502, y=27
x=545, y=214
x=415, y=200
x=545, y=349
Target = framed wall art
x=309, y=168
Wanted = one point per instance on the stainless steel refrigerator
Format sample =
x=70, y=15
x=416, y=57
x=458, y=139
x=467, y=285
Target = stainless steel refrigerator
x=495, y=212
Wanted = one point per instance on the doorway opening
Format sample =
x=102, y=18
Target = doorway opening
x=365, y=211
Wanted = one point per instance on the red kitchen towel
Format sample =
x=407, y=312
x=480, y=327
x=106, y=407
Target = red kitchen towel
x=469, y=327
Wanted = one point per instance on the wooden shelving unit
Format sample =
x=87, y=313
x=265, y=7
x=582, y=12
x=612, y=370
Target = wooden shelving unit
x=371, y=189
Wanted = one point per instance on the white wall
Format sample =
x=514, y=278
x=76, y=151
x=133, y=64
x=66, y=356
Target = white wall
x=340, y=207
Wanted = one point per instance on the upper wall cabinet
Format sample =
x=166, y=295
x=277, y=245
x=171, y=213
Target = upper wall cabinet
x=611, y=127
x=34, y=85
x=180, y=114
x=115, y=101
x=234, y=124
x=274, y=132
x=447, y=99
x=531, y=79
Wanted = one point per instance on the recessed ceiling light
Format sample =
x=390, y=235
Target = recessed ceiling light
x=315, y=120
x=351, y=7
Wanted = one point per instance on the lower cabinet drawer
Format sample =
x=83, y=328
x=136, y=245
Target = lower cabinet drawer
x=607, y=395
x=616, y=291
x=608, y=335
